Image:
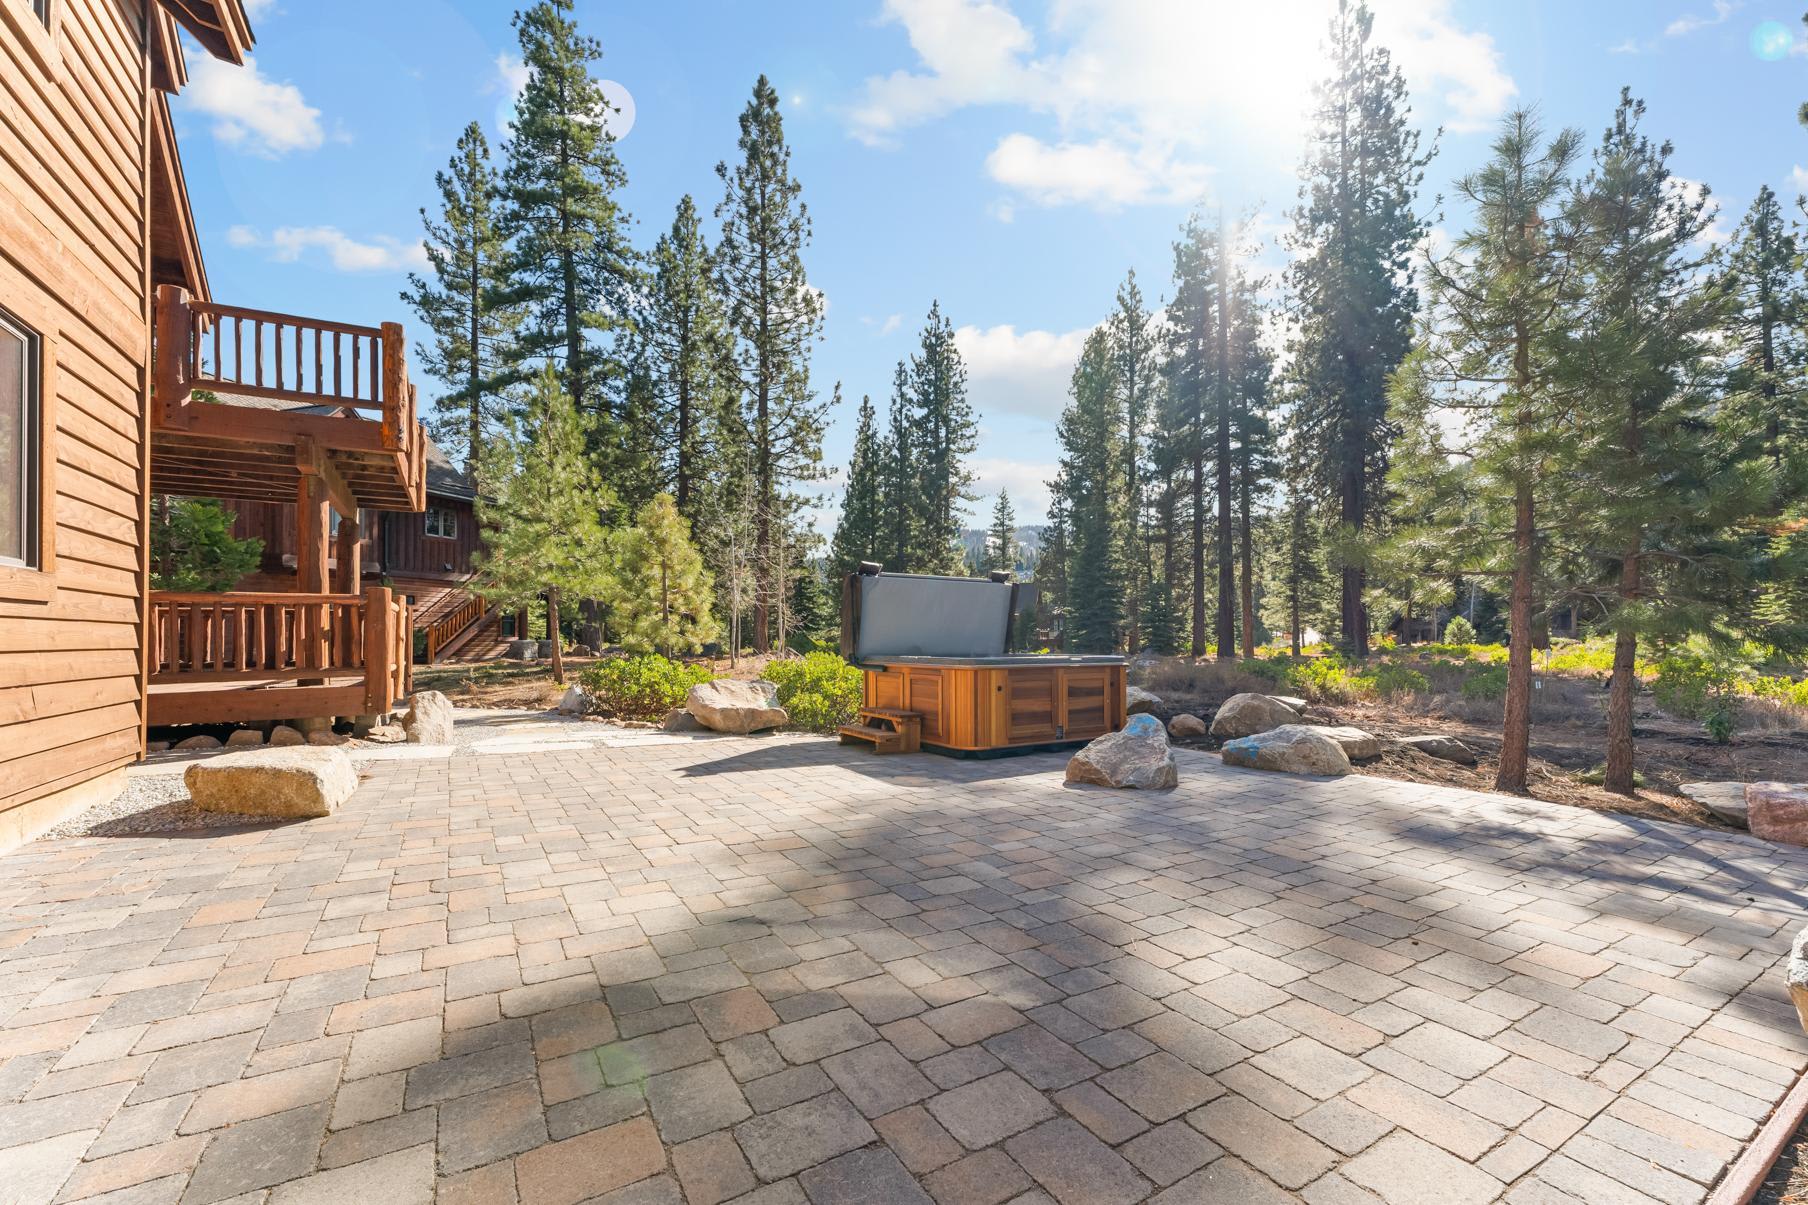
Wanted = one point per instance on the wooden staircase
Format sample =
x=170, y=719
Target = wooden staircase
x=454, y=624
x=886, y=729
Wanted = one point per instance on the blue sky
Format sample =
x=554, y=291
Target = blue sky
x=1010, y=159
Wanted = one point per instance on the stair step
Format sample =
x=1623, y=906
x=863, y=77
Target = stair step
x=883, y=740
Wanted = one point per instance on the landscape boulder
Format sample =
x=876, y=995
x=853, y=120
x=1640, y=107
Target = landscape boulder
x=1444, y=748
x=1248, y=714
x=730, y=705
x=1797, y=977
x=199, y=741
x=283, y=735
x=680, y=720
x=1135, y=756
x=1137, y=701
x=1289, y=749
x=291, y=783
x=242, y=737
x=1186, y=725
x=386, y=734
x=574, y=701
x=1778, y=811
x=429, y=719
x=1725, y=799
x=1357, y=744
x=327, y=738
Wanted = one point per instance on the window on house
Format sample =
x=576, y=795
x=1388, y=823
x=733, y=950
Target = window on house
x=42, y=9
x=442, y=522
x=20, y=412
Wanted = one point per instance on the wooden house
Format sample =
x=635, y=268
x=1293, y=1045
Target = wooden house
x=100, y=261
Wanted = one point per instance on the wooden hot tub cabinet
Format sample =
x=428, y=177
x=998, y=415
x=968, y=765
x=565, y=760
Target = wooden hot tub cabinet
x=984, y=704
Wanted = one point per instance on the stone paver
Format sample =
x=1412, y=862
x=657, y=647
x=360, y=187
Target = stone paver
x=718, y=969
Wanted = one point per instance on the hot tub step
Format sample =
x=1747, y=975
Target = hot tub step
x=889, y=730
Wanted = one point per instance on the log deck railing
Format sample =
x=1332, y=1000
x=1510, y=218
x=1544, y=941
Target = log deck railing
x=202, y=345
x=245, y=657
x=443, y=628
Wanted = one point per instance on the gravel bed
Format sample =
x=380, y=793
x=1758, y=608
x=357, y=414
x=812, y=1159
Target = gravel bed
x=151, y=803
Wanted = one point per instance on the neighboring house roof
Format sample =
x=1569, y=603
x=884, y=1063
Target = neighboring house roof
x=444, y=480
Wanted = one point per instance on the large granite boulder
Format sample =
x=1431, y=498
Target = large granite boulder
x=429, y=719
x=1187, y=726
x=1289, y=749
x=1444, y=748
x=292, y=783
x=1248, y=714
x=730, y=705
x=1725, y=799
x=1797, y=977
x=1357, y=744
x=1778, y=811
x=680, y=720
x=574, y=701
x=1137, y=701
x=1136, y=756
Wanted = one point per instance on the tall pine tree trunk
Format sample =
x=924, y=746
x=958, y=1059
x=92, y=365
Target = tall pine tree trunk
x=1246, y=591
x=1622, y=686
x=1227, y=582
x=552, y=634
x=1199, y=642
x=1516, y=719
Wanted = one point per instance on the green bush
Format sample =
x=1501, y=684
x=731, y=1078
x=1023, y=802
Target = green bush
x=1324, y=680
x=819, y=690
x=1276, y=671
x=1689, y=684
x=641, y=688
x=1781, y=690
x=1720, y=721
x=1489, y=683
x=1392, y=678
x=1459, y=631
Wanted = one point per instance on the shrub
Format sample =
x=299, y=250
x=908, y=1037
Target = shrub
x=1688, y=684
x=1276, y=671
x=1459, y=631
x=1719, y=721
x=819, y=690
x=1781, y=690
x=1486, y=684
x=1324, y=680
x=643, y=687
x=1392, y=678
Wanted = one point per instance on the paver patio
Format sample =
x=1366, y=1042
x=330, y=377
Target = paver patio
x=776, y=969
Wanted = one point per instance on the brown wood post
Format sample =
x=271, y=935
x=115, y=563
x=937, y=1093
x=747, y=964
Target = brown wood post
x=311, y=551
x=395, y=385
x=379, y=647
x=348, y=557
x=174, y=330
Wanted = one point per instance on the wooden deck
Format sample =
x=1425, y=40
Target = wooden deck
x=250, y=658
x=251, y=404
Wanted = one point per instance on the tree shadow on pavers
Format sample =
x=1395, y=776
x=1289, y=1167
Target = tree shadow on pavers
x=896, y=768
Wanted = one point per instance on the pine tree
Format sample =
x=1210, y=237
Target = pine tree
x=687, y=347
x=859, y=534
x=661, y=596
x=538, y=506
x=1052, y=565
x=1769, y=326
x=944, y=433
x=571, y=268
x=1661, y=483
x=461, y=305
x=1353, y=236
x=1296, y=571
x=1091, y=434
x=1001, y=541
x=1503, y=301
x=1192, y=370
x=1134, y=348
x=193, y=548
x=898, y=506
x=1252, y=437
x=775, y=316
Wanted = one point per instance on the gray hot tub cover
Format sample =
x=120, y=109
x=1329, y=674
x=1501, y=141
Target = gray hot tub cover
x=916, y=615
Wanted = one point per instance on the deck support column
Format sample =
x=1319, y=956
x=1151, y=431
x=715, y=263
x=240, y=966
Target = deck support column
x=312, y=515
x=348, y=557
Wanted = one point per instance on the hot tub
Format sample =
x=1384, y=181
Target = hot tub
x=940, y=647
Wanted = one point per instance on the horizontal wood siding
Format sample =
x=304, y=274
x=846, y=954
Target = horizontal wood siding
x=73, y=221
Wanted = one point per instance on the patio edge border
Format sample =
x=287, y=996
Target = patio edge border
x=1746, y=1175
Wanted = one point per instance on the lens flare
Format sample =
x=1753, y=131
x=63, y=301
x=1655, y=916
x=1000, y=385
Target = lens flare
x=1771, y=40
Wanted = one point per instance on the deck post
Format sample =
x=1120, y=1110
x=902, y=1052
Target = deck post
x=174, y=324
x=396, y=402
x=379, y=643
x=311, y=551
x=348, y=557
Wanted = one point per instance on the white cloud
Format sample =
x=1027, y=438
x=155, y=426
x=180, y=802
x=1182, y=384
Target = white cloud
x=260, y=8
x=883, y=326
x=250, y=112
x=1100, y=173
x=1688, y=23
x=1025, y=481
x=1018, y=372
x=1141, y=91
x=1798, y=176
x=287, y=245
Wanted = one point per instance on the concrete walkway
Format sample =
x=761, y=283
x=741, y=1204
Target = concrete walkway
x=550, y=970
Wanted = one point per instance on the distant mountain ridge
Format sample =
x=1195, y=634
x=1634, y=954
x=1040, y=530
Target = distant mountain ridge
x=1029, y=545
